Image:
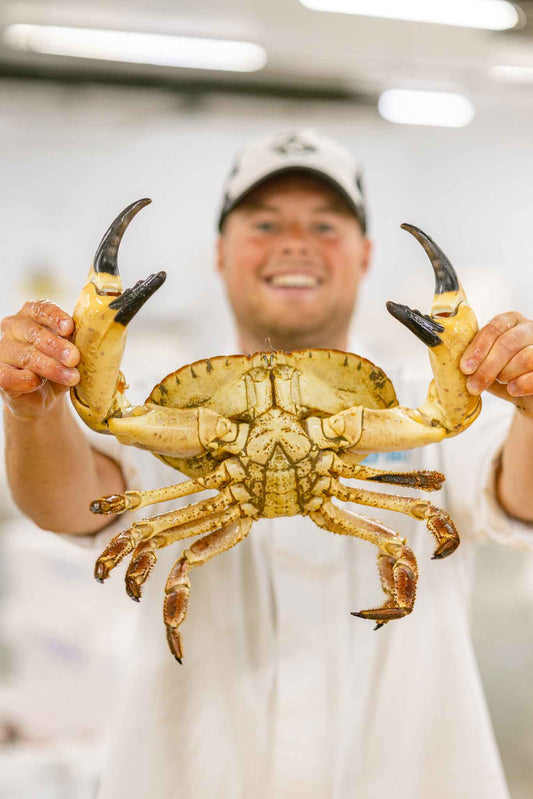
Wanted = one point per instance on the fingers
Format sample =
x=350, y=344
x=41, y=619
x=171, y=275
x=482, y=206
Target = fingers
x=503, y=351
x=49, y=315
x=484, y=339
x=30, y=359
x=519, y=365
x=18, y=381
x=34, y=348
x=43, y=339
x=522, y=386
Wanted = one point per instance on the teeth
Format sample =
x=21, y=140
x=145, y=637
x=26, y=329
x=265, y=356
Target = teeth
x=294, y=281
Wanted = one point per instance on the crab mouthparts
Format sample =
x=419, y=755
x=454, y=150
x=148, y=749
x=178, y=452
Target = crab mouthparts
x=293, y=280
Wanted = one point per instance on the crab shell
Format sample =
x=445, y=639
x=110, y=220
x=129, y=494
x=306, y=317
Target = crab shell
x=329, y=381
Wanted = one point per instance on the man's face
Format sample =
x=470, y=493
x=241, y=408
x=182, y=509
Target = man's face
x=292, y=256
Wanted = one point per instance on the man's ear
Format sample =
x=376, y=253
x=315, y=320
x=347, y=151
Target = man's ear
x=367, y=258
x=220, y=254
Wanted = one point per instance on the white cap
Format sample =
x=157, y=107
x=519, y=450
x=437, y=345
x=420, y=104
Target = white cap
x=302, y=150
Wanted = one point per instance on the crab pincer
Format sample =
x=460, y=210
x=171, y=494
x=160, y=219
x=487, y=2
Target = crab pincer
x=447, y=331
x=102, y=312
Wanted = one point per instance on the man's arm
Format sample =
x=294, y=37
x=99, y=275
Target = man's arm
x=515, y=483
x=52, y=470
x=500, y=359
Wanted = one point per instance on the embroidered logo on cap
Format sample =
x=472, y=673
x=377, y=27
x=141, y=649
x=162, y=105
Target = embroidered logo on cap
x=293, y=145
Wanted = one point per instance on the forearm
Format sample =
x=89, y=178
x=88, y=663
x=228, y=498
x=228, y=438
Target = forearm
x=53, y=472
x=515, y=481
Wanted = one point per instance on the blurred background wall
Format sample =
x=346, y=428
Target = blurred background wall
x=80, y=140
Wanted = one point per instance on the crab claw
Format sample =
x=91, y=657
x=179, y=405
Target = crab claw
x=422, y=325
x=101, y=315
x=447, y=331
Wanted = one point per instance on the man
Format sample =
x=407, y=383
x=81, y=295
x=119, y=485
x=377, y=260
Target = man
x=282, y=692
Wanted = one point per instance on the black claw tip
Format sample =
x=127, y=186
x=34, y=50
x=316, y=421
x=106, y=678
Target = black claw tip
x=440, y=555
x=379, y=625
x=133, y=592
x=105, y=259
x=445, y=275
x=100, y=573
x=180, y=661
x=132, y=300
x=423, y=326
x=360, y=615
x=445, y=549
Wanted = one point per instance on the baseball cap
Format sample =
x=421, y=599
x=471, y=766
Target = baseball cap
x=302, y=150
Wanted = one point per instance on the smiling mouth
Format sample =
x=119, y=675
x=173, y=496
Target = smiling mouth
x=296, y=280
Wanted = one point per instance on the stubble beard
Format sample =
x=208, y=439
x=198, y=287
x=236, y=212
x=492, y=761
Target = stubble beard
x=329, y=332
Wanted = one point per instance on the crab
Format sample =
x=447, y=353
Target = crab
x=271, y=433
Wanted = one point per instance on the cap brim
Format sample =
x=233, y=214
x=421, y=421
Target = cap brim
x=230, y=206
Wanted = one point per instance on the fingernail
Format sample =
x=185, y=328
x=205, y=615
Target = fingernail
x=473, y=386
x=468, y=365
x=64, y=326
x=512, y=388
x=72, y=376
x=67, y=355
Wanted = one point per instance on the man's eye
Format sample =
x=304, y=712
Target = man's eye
x=266, y=227
x=323, y=227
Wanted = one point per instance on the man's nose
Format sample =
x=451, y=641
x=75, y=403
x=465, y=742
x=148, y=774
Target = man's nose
x=294, y=245
x=294, y=248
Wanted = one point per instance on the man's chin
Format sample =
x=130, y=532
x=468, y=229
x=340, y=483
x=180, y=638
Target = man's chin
x=293, y=336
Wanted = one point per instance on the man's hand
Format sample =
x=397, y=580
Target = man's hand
x=36, y=358
x=499, y=359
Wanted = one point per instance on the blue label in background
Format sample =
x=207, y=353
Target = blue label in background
x=387, y=457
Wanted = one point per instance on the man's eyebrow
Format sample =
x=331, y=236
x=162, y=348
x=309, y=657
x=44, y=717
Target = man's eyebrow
x=257, y=205
x=329, y=207
x=336, y=207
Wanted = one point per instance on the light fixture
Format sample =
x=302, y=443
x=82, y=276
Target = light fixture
x=511, y=74
x=417, y=107
x=489, y=14
x=138, y=48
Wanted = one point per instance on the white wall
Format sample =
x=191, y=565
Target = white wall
x=71, y=158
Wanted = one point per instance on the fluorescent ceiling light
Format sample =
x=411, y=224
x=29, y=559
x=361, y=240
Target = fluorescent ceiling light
x=137, y=48
x=513, y=74
x=490, y=14
x=416, y=107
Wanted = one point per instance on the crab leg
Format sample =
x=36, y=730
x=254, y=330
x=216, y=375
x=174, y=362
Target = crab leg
x=144, y=556
x=228, y=472
x=396, y=562
x=124, y=543
x=178, y=585
x=437, y=520
x=330, y=463
x=398, y=580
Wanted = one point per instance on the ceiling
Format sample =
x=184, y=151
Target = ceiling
x=309, y=53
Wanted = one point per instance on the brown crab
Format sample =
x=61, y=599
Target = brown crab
x=272, y=432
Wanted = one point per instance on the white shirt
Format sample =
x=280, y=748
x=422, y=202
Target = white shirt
x=282, y=693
